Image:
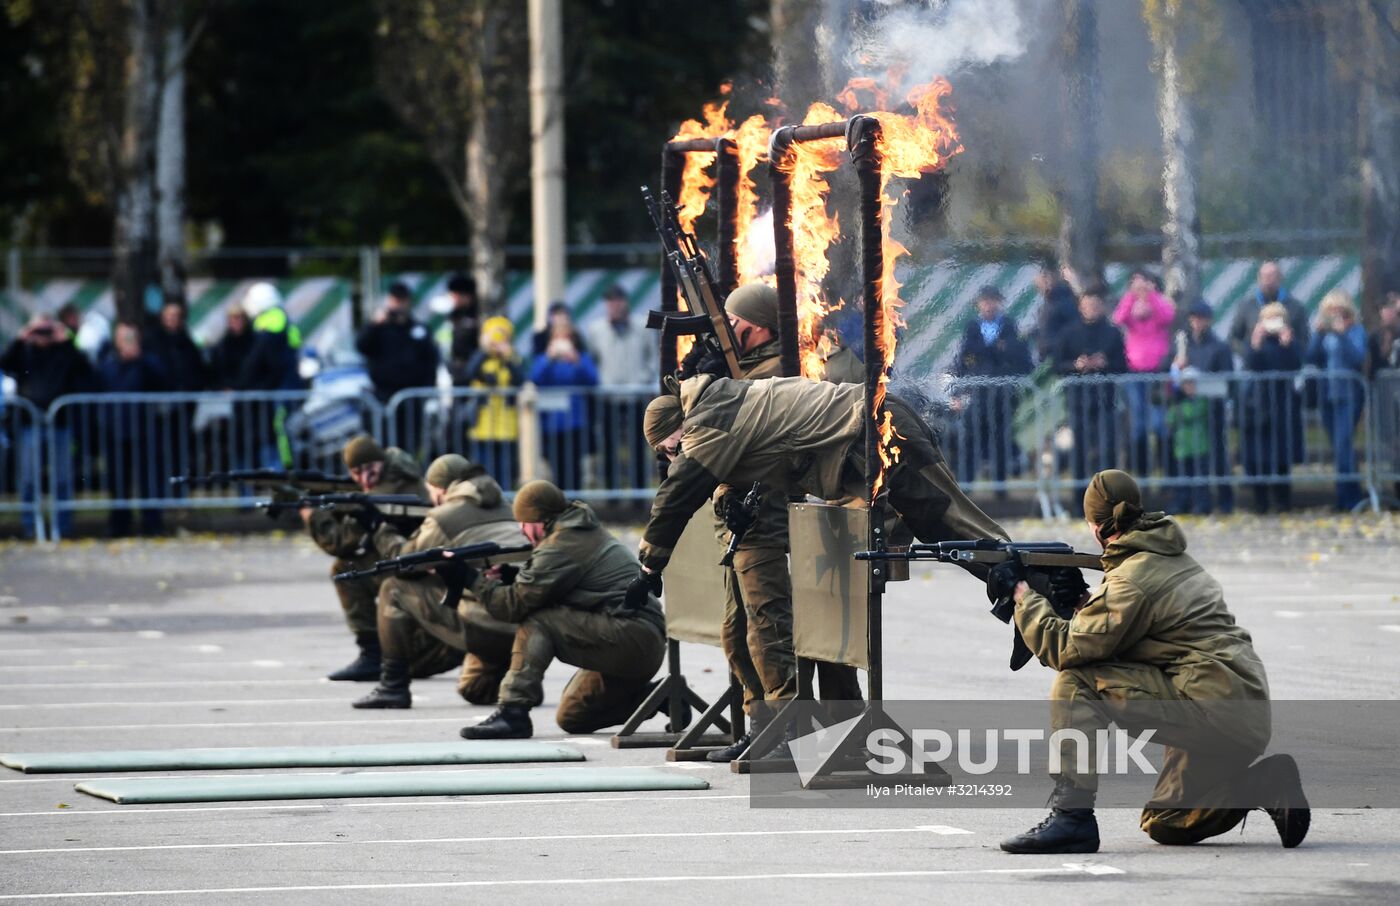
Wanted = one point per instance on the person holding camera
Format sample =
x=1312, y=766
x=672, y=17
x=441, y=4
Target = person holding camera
x=1338, y=347
x=46, y=365
x=1271, y=420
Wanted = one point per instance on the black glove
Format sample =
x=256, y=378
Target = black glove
x=703, y=358
x=507, y=573
x=1067, y=590
x=458, y=576
x=368, y=517
x=1001, y=586
x=736, y=516
x=640, y=589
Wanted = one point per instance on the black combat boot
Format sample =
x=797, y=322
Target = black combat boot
x=364, y=668
x=509, y=722
x=731, y=751
x=392, y=691
x=1281, y=790
x=1069, y=828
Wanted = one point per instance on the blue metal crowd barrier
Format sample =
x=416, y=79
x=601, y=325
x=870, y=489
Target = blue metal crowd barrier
x=1256, y=435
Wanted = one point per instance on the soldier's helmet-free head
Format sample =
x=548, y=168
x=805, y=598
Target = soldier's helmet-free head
x=538, y=501
x=662, y=419
x=451, y=468
x=1112, y=503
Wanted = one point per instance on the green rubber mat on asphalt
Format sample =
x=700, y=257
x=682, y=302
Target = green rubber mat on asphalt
x=464, y=752
x=142, y=790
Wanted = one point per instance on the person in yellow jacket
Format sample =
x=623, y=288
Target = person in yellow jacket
x=494, y=424
x=1156, y=631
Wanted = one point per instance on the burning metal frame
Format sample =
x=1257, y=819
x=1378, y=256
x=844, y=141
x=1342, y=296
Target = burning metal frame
x=694, y=742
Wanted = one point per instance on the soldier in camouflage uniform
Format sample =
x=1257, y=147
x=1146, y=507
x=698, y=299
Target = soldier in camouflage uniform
x=757, y=631
x=416, y=625
x=1156, y=631
x=342, y=533
x=568, y=601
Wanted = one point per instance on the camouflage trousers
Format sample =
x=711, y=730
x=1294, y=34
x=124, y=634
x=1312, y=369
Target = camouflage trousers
x=1177, y=813
x=414, y=625
x=617, y=657
x=358, y=596
x=757, y=633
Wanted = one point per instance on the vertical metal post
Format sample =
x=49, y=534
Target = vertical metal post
x=546, y=153
x=784, y=264
x=670, y=296
x=862, y=140
x=727, y=202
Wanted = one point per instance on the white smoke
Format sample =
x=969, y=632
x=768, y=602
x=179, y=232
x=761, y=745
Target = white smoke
x=938, y=37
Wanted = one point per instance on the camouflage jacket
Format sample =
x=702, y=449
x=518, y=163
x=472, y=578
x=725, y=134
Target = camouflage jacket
x=578, y=564
x=336, y=530
x=791, y=434
x=473, y=512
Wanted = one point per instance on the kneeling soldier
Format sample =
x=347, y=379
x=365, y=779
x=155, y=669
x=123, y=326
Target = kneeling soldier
x=568, y=600
x=340, y=532
x=416, y=624
x=1156, y=630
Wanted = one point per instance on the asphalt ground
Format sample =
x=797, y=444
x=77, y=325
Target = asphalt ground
x=196, y=642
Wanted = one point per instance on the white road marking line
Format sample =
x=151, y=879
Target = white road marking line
x=1065, y=868
x=1391, y=627
x=943, y=829
x=49, y=706
x=180, y=684
x=1309, y=614
x=321, y=771
x=150, y=633
x=125, y=649
x=243, y=725
x=164, y=667
x=534, y=838
x=405, y=802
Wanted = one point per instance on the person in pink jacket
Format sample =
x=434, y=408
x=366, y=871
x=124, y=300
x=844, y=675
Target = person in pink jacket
x=1145, y=316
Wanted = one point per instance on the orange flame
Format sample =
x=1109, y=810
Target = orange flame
x=814, y=229
x=909, y=144
x=696, y=179
x=751, y=142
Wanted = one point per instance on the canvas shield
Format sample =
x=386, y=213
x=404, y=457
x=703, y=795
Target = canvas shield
x=829, y=587
x=694, y=593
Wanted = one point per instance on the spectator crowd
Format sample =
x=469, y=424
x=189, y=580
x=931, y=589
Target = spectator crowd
x=1155, y=390
x=1149, y=387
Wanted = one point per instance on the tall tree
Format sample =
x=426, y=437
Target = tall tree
x=1081, y=220
x=1380, y=154
x=1181, y=231
x=455, y=71
x=170, y=166
x=134, y=228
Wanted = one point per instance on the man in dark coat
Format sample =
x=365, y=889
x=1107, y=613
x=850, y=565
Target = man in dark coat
x=128, y=429
x=992, y=353
x=1087, y=352
x=46, y=365
x=400, y=354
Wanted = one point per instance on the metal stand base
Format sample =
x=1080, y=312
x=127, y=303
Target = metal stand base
x=673, y=690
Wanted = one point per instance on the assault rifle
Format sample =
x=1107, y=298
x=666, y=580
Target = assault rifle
x=1048, y=555
x=370, y=509
x=707, y=320
x=454, y=565
x=305, y=480
x=739, y=527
